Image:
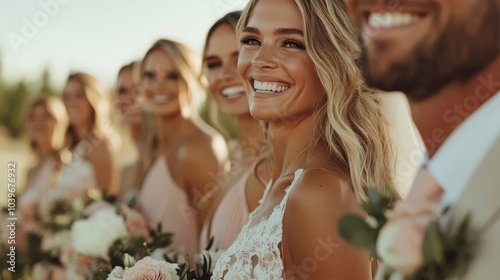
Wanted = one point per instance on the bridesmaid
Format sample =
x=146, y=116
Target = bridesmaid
x=176, y=189
x=298, y=60
x=141, y=128
x=91, y=136
x=244, y=184
x=46, y=125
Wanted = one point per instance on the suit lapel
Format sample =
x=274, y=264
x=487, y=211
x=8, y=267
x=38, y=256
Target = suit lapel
x=481, y=195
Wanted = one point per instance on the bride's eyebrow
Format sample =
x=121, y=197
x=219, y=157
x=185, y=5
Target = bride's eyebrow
x=250, y=29
x=288, y=31
x=277, y=31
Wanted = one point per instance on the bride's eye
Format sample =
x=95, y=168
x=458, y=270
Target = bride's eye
x=293, y=44
x=249, y=41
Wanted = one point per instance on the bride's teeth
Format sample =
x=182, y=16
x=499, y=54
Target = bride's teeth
x=269, y=86
x=387, y=20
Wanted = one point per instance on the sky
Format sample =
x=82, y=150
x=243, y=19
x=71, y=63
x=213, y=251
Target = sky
x=96, y=36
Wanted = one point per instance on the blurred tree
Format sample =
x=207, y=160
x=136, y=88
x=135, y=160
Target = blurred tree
x=14, y=98
x=11, y=113
x=1, y=73
x=46, y=87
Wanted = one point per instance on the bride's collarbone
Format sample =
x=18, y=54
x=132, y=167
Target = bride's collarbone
x=274, y=198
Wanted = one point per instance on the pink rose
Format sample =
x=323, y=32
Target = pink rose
x=67, y=255
x=400, y=242
x=150, y=269
x=136, y=224
x=83, y=263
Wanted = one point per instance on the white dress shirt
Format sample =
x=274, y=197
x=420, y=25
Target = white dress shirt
x=455, y=162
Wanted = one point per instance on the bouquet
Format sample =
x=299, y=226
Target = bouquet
x=412, y=240
x=99, y=242
x=146, y=268
x=171, y=267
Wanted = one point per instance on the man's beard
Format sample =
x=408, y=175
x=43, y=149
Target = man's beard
x=457, y=56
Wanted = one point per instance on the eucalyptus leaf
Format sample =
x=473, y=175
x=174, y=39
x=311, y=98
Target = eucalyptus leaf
x=378, y=203
x=433, y=247
x=375, y=198
x=355, y=230
x=210, y=243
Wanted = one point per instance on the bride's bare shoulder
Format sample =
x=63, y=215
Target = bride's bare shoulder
x=316, y=203
x=324, y=194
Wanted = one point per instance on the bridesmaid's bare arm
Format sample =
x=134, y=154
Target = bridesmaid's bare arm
x=105, y=167
x=201, y=165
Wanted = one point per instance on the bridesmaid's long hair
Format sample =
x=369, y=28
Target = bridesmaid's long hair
x=102, y=127
x=56, y=110
x=148, y=142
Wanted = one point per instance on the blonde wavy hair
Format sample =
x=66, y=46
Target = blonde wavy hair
x=56, y=110
x=188, y=65
x=214, y=114
x=148, y=142
x=99, y=99
x=351, y=122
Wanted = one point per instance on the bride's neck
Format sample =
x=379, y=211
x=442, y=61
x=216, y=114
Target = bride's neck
x=251, y=139
x=294, y=147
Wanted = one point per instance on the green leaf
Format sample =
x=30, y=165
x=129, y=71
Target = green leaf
x=375, y=198
x=464, y=225
x=354, y=229
x=433, y=248
x=378, y=203
x=210, y=243
x=160, y=241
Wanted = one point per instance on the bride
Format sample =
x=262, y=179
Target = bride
x=330, y=140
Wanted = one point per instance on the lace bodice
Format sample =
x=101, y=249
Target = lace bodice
x=256, y=254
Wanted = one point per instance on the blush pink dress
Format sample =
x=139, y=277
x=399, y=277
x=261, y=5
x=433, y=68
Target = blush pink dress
x=229, y=217
x=162, y=200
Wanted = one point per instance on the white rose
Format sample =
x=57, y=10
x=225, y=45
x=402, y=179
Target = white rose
x=171, y=268
x=158, y=255
x=56, y=241
x=116, y=273
x=94, y=236
x=399, y=245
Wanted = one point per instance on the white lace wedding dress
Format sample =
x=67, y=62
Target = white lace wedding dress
x=255, y=254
